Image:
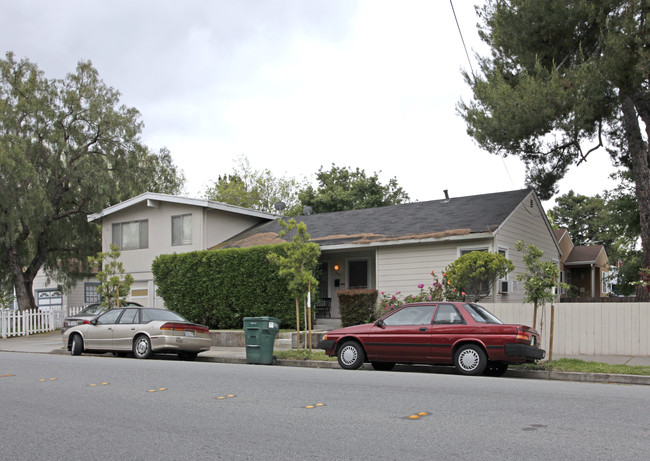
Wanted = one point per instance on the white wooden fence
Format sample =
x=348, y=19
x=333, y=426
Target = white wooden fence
x=586, y=328
x=28, y=322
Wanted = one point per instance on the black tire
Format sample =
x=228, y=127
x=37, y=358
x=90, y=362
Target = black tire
x=187, y=356
x=383, y=366
x=470, y=360
x=142, y=347
x=351, y=355
x=496, y=369
x=76, y=345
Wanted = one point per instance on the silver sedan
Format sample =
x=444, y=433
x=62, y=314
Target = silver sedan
x=142, y=331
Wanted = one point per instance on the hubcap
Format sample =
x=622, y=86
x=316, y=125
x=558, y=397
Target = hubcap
x=142, y=347
x=468, y=360
x=349, y=355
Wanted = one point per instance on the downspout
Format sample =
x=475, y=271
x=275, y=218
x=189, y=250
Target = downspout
x=593, y=281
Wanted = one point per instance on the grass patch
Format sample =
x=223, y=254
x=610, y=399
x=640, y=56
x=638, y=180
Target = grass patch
x=303, y=355
x=582, y=366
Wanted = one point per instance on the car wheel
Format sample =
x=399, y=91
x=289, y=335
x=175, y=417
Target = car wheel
x=470, y=360
x=496, y=368
x=142, y=347
x=77, y=345
x=383, y=366
x=187, y=356
x=351, y=355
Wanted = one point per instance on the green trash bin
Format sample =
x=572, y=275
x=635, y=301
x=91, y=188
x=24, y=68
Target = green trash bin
x=260, y=335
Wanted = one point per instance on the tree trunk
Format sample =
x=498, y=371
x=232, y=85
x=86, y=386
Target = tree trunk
x=297, y=324
x=639, y=159
x=23, y=282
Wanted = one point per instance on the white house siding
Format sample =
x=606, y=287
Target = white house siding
x=221, y=225
x=403, y=267
x=527, y=223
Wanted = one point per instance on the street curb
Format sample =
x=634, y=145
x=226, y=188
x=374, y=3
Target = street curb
x=512, y=373
x=523, y=374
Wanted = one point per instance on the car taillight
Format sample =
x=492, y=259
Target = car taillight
x=170, y=326
x=86, y=322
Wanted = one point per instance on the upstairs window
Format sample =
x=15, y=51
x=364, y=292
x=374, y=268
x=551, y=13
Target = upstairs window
x=182, y=230
x=132, y=235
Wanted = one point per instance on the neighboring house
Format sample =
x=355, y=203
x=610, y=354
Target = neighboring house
x=584, y=267
x=150, y=224
x=395, y=248
x=48, y=294
x=391, y=248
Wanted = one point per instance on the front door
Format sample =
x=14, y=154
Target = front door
x=358, y=274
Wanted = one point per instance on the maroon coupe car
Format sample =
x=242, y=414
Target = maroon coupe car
x=462, y=334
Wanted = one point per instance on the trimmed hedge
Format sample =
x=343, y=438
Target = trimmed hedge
x=218, y=288
x=357, y=306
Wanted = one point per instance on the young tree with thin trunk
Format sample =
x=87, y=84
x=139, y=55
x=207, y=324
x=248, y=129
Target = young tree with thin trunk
x=298, y=265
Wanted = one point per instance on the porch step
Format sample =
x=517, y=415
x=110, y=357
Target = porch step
x=328, y=324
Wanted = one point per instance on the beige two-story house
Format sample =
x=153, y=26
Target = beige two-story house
x=152, y=224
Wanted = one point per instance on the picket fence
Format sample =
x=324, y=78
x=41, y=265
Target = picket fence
x=29, y=322
x=590, y=329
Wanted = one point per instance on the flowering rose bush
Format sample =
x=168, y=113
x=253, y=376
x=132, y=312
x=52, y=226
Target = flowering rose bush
x=437, y=291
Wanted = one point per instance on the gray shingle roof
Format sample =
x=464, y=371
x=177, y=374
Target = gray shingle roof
x=418, y=220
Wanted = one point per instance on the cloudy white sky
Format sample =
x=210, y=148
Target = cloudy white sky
x=293, y=85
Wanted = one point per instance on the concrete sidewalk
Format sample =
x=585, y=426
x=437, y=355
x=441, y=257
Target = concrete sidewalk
x=53, y=343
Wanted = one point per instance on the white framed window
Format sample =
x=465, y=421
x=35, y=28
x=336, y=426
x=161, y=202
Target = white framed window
x=503, y=283
x=182, y=230
x=90, y=293
x=133, y=235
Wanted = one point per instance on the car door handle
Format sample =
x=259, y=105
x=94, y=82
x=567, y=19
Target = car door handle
x=423, y=328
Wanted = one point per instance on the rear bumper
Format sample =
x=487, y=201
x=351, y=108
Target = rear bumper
x=180, y=343
x=526, y=351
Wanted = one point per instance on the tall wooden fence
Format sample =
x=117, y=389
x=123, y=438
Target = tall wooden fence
x=586, y=328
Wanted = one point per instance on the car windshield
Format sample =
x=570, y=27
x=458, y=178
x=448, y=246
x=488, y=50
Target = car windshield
x=149, y=315
x=481, y=314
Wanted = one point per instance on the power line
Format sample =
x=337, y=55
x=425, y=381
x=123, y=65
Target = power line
x=461, y=36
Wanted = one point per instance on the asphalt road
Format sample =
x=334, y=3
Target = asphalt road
x=63, y=407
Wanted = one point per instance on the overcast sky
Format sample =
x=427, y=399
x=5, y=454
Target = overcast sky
x=291, y=84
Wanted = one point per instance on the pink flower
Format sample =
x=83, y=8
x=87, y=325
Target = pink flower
x=420, y=286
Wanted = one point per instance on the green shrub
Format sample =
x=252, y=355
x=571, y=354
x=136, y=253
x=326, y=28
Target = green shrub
x=219, y=288
x=357, y=306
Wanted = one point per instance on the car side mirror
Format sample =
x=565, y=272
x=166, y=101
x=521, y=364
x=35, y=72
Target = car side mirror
x=93, y=322
x=380, y=323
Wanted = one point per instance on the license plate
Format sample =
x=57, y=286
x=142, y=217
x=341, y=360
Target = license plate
x=74, y=323
x=189, y=333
